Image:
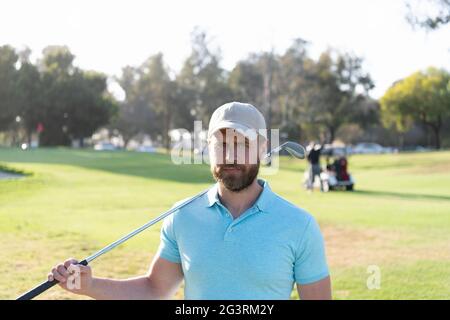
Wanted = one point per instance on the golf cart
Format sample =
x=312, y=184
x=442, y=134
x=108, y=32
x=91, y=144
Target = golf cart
x=335, y=175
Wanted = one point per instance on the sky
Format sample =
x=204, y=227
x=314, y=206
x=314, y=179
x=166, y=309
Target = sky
x=108, y=35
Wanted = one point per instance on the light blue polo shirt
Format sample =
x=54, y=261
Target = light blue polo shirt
x=259, y=255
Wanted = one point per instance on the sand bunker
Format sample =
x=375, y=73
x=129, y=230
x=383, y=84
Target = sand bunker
x=8, y=175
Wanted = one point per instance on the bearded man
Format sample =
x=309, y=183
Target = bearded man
x=238, y=241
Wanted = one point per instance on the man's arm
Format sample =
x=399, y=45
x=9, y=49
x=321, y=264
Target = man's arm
x=319, y=290
x=161, y=282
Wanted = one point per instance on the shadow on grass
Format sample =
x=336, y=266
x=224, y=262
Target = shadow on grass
x=401, y=195
x=144, y=165
x=14, y=172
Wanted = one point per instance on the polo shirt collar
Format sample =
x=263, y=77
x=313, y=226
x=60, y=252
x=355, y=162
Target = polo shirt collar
x=212, y=195
x=262, y=203
x=265, y=197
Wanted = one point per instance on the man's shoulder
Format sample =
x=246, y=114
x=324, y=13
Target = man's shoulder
x=185, y=200
x=193, y=202
x=290, y=211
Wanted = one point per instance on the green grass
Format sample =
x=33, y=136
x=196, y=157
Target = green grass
x=73, y=202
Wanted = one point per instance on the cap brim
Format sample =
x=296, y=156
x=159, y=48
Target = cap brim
x=247, y=132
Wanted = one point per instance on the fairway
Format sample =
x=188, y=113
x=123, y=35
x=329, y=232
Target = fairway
x=74, y=202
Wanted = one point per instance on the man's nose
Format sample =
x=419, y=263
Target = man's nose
x=230, y=155
x=233, y=155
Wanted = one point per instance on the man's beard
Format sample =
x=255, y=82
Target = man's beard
x=236, y=180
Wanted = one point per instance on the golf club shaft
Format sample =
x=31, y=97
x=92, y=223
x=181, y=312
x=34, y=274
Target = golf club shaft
x=48, y=284
x=140, y=229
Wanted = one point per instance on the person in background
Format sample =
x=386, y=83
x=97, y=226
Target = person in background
x=313, y=155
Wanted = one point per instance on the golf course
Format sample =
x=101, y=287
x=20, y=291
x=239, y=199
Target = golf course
x=73, y=202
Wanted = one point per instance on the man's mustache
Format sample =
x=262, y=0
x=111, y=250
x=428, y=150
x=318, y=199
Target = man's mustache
x=231, y=166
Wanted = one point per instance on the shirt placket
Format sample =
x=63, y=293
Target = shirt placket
x=230, y=230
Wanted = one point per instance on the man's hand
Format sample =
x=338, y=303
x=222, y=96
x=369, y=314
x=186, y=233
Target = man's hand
x=161, y=282
x=72, y=276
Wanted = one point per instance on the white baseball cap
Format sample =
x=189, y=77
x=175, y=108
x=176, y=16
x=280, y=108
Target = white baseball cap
x=242, y=117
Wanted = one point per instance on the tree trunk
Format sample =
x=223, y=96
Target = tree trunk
x=167, y=121
x=28, y=137
x=436, y=127
x=126, y=139
x=267, y=97
x=401, y=140
x=332, y=133
x=437, y=136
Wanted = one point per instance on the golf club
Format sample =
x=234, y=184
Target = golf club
x=292, y=148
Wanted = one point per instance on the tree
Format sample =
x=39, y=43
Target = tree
x=159, y=86
x=430, y=15
x=203, y=76
x=89, y=106
x=181, y=98
x=8, y=94
x=134, y=113
x=422, y=97
x=246, y=81
x=306, y=97
x=56, y=67
x=57, y=60
x=334, y=91
x=274, y=83
x=291, y=83
x=154, y=102
x=251, y=80
x=29, y=88
x=74, y=102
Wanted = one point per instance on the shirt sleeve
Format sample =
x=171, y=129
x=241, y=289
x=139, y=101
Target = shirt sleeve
x=168, y=247
x=310, y=262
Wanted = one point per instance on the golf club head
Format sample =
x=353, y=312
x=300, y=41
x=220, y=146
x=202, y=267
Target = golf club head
x=294, y=149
